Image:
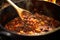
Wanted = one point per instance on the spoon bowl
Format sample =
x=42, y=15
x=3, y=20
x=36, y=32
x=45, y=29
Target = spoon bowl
x=19, y=10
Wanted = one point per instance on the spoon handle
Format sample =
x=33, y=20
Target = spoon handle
x=19, y=10
x=15, y=6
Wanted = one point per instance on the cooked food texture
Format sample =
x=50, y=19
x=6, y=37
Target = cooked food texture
x=33, y=24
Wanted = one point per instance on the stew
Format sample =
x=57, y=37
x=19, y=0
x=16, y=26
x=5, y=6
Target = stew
x=32, y=25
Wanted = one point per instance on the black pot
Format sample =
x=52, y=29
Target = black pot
x=47, y=8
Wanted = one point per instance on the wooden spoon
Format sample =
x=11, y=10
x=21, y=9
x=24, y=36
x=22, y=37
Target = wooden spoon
x=18, y=9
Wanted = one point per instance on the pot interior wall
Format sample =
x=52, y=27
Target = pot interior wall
x=45, y=8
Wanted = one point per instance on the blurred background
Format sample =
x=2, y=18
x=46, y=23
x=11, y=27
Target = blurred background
x=3, y=3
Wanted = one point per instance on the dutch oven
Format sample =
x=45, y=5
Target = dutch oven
x=47, y=8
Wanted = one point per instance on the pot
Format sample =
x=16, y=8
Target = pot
x=46, y=8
